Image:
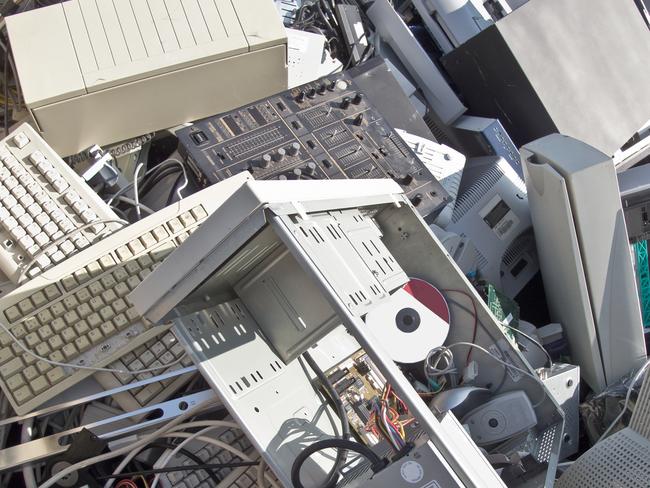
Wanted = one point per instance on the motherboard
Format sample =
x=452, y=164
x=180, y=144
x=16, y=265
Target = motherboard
x=326, y=129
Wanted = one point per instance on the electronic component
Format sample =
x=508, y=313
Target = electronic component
x=492, y=211
x=563, y=382
x=585, y=256
x=349, y=19
x=287, y=10
x=481, y=136
x=451, y=23
x=77, y=312
x=392, y=29
x=307, y=58
x=120, y=70
x=159, y=351
x=42, y=203
x=412, y=322
x=501, y=418
x=327, y=129
x=499, y=74
x=461, y=249
x=634, y=186
x=354, y=240
x=445, y=164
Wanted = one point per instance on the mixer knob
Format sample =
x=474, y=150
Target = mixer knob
x=345, y=103
x=358, y=120
x=279, y=155
x=357, y=98
x=311, y=93
x=321, y=90
x=297, y=173
x=301, y=97
x=311, y=168
x=293, y=149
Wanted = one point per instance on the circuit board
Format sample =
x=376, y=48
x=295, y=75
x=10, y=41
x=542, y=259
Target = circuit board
x=360, y=384
x=504, y=309
x=326, y=129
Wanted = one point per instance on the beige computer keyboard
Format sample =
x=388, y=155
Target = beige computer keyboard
x=77, y=312
x=42, y=200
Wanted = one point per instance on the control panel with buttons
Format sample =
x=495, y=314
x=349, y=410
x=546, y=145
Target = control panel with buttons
x=326, y=129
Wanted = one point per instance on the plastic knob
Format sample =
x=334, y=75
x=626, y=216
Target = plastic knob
x=301, y=97
x=406, y=180
x=416, y=200
x=311, y=93
x=321, y=90
x=294, y=149
x=297, y=173
x=358, y=98
x=345, y=103
x=311, y=168
x=279, y=155
x=358, y=120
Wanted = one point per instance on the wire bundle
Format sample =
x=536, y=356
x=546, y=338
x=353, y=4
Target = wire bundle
x=385, y=420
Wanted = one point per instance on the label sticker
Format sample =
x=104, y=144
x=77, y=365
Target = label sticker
x=412, y=472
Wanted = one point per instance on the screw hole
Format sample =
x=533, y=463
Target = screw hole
x=183, y=405
x=256, y=409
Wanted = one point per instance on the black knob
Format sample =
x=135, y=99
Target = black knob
x=332, y=86
x=357, y=98
x=311, y=168
x=321, y=90
x=311, y=93
x=297, y=173
x=406, y=180
x=416, y=200
x=279, y=155
x=293, y=149
x=265, y=162
x=345, y=103
x=301, y=97
x=358, y=120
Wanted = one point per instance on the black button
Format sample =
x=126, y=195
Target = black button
x=199, y=137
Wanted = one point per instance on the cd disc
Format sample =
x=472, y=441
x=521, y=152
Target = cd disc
x=414, y=320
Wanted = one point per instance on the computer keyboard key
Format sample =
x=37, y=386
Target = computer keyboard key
x=12, y=367
x=5, y=355
x=23, y=394
x=31, y=373
x=55, y=375
x=95, y=336
x=82, y=343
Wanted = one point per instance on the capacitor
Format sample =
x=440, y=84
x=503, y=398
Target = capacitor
x=265, y=162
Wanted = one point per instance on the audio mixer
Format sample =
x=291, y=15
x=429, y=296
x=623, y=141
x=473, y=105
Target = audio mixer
x=325, y=129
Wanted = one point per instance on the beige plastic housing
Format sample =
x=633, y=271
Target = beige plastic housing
x=101, y=72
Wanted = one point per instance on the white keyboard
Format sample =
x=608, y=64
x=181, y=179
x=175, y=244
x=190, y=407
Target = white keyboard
x=42, y=200
x=77, y=312
x=163, y=350
x=210, y=454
